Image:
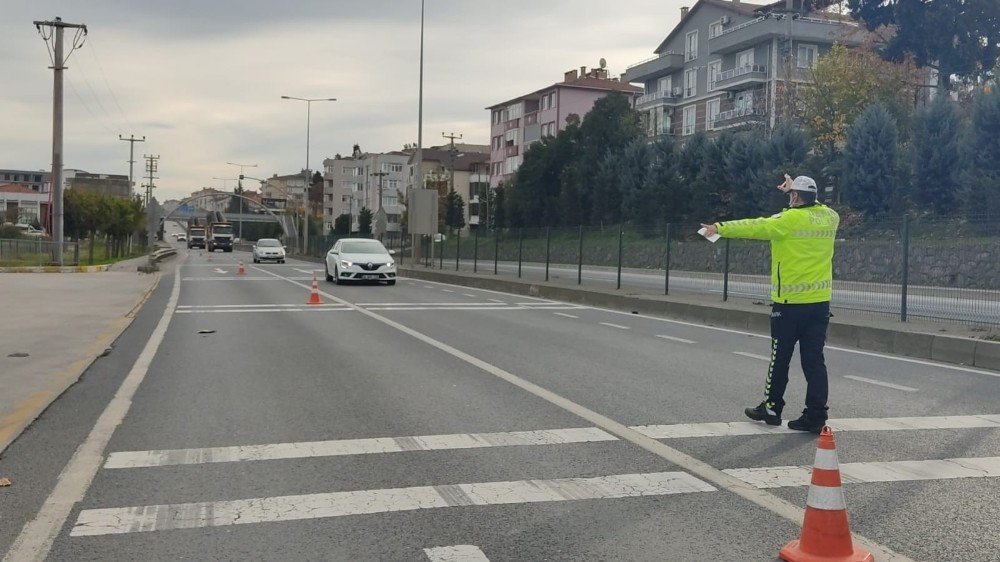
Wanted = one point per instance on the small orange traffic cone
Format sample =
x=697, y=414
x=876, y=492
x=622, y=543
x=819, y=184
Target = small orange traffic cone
x=241, y=270
x=314, y=297
x=826, y=534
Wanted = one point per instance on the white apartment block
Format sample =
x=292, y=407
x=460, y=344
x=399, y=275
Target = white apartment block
x=372, y=180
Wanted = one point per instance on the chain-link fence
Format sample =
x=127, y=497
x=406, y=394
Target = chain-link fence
x=942, y=268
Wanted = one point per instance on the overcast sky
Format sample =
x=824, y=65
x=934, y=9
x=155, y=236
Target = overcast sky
x=202, y=79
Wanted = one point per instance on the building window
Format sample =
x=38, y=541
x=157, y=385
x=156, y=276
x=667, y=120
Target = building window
x=664, y=85
x=713, y=113
x=691, y=52
x=744, y=102
x=397, y=168
x=389, y=200
x=497, y=117
x=513, y=111
x=394, y=184
x=689, y=120
x=715, y=29
x=807, y=56
x=552, y=100
x=510, y=137
x=690, y=82
x=545, y=102
x=744, y=59
x=714, y=70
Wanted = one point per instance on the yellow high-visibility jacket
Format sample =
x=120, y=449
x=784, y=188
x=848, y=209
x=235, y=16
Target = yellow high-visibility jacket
x=801, y=250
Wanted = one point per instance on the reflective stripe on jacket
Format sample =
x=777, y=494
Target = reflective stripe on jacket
x=801, y=250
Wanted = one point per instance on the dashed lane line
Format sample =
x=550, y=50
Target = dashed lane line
x=880, y=383
x=616, y=326
x=94, y=522
x=673, y=338
x=752, y=355
x=564, y=315
x=171, y=457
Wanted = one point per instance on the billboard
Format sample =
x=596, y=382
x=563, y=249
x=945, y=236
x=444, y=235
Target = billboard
x=422, y=209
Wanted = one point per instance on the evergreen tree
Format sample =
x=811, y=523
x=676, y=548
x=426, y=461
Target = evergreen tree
x=642, y=203
x=744, y=173
x=454, y=211
x=499, y=207
x=981, y=178
x=664, y=182
x=870, y=160
x=935, y=157
x=694, y=159
x=607, y=128
x=365, y=221
x=342, y=225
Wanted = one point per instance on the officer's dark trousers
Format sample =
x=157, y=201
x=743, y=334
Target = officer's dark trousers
x=805, y=324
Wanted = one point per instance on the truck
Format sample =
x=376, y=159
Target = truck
x=218, y=232
x=195, y=233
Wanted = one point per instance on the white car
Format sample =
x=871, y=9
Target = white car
x=182, y=237
x=268, y=249
x=360, y=259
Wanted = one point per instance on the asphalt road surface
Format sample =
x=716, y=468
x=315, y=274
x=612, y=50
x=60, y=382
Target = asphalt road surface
x=433, y=422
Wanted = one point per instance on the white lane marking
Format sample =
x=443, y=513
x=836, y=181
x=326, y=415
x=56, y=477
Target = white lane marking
x=730, y=429
x=311, y=308
x=344, y=447
x=457, y=307
x=880, y=383
x=228, y=279
x=863, y=472
x=490, y=291
x=219, y=270
x=37, y=536
x=424, y=303
x=564, y=315
x=456, y=553
x=94, y=522
x=618, y=326
x=209, y=306
x=676, y=339
x=497, y=300
x=752, y=355
x=447, y=291
x=306, y=271
x=428, y=287
x=468, y=295
x=772, y=503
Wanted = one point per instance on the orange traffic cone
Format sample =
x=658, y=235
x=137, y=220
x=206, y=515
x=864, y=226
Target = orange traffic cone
x=314, y=297
x=826, y=534
x=241, y=270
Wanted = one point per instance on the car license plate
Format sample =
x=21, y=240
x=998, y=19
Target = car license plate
x=370, y=277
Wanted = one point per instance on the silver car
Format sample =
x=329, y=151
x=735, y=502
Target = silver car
x=360, y=259
x=268, y=249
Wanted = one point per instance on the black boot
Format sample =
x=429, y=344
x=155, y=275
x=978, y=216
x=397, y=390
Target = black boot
x=807, y=423
x=762, y=413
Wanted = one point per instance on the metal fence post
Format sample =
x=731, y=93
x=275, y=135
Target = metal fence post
x=906, y=267
x=725, y=273
x=579, y=263
x=76, y=253
x=520, y=250
x=475, y=253
x=496, y=250
x=548, y=243
x=458, y=247
x=441, y=252
x=666, y=265
x=621, y=235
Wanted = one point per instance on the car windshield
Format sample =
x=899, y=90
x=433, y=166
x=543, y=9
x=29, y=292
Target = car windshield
x=363, y=247
x=227, y=229
x=268, y=243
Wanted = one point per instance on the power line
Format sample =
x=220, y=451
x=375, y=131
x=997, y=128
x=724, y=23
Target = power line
x=114, y=98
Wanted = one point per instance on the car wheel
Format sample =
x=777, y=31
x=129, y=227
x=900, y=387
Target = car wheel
x=255, y=260
x=281, y=261
x=329, y=277
x=390, y=283
x=336, y=276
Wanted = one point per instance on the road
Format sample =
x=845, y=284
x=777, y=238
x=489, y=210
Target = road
x=941, y=303
x=435, y=422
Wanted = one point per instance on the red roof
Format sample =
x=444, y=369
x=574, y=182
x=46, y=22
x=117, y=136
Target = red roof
x=16, y=188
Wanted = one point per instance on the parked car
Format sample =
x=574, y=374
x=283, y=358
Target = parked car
x=182, y=238
x=30, y=231
x=268, y=249
x=360, y=259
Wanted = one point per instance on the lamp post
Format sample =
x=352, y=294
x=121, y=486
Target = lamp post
x=305, y=228
x=239, y=191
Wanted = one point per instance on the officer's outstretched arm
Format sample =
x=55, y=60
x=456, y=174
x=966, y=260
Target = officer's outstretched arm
x=774, y=227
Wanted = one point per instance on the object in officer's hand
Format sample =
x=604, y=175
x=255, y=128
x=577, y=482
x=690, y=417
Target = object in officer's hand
x=704, y=232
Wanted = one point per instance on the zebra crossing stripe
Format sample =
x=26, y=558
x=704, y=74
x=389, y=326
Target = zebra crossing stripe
x=864, y=472
x=94, y=522
x=457, y=553
x=731, y=429
x=142, y=459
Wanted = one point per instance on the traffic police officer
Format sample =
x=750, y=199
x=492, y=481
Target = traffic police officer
x=802, y=238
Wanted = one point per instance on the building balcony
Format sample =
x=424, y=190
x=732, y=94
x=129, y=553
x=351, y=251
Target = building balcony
x=660, y=65
x=511, y=151
x=738, y=78
x=530, y=118
x=783, y=26
x=738, y=116
x=512, y=124
x=655, y=99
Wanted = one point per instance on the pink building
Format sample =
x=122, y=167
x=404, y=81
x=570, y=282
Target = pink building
x=523, y=120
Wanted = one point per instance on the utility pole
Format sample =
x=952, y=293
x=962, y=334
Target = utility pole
x=451, y=138
x=152, y=165
x=239, y=191
x=131, y=140
x=55, y=29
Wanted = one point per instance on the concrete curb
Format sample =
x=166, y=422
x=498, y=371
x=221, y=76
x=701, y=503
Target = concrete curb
x=57, y=269
x=943, y=348
x=38, y=408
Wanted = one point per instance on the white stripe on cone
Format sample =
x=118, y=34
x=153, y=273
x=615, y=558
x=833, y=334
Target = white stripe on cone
x=826, y=498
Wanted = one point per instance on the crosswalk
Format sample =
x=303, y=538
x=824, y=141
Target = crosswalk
x=221, y=512
x=391, y=306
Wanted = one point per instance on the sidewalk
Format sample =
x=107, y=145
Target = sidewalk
x=63, y=321
x=945, y=342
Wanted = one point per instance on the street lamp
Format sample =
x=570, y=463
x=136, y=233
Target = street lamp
x=239, y=187
x=305, y=229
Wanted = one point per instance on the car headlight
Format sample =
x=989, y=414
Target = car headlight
x=391, y=263
x=345, y=264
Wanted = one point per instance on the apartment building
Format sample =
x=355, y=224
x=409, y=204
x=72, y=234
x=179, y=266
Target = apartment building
x=372, y=180
x=470, y=164
x=113, y=185
x=38, y=181
x=288, y=191
x=210, y=199
x=730, y=64
x=517, y=123
x=22, y=204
